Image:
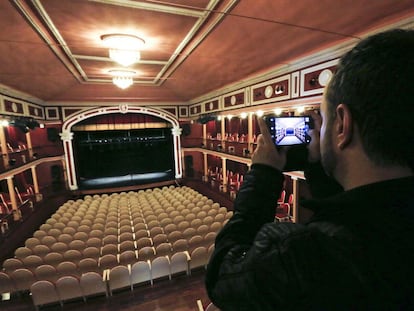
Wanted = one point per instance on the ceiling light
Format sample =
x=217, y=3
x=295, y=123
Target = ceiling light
x=259, y=113
x=278, y=111
x=122, y=78
x=300, y=109
x=123, y=49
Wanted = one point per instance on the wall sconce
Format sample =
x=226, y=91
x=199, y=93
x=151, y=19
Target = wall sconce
x=243, y=115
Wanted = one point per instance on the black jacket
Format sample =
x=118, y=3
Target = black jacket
x=355, y=253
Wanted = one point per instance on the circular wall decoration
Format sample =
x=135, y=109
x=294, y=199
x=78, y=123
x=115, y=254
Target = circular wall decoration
x=233, y=100
x=14, y=107
x=268, y=91
x=324, y=77
x=211, y=106
x=123, y=108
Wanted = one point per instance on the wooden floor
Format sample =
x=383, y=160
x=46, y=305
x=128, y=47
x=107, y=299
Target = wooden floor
x=179, y=294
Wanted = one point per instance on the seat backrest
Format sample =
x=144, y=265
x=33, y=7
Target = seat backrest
x=46, y=272
x=179, y=263
x=160, y=267
x=119, y=277
x=140, y=272
x=44, y=292
x=91, y=283
x=53, y=258
x=68, y=287
x=88, y=265
x=6, y=284
x=11, y=264
x=22, y=279
x=67, y=268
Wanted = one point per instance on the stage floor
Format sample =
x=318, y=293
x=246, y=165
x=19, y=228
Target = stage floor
x=125, y=180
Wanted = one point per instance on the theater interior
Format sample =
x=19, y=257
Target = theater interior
x=126, y=127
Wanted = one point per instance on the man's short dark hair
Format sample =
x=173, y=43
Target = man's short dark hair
x=376, y=81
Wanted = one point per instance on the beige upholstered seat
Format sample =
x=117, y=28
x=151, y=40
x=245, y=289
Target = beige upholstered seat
x=179, y=263
x=22, y=279
x=6, y=284
x=92, y=284
x=140, y=273
x=160, y=268
x=44, y=293
x=198, y=257
x=22, y=252
x=67, y=268
x=46, y=272
x=119, y=278
x=68, y=288
x=53, y=258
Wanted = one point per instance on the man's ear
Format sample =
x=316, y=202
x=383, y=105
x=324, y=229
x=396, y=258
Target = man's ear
x=344, y=125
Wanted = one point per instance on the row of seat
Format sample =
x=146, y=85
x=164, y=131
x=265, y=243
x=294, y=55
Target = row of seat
x=70, y=280
x=99, y=233
x=108, y=254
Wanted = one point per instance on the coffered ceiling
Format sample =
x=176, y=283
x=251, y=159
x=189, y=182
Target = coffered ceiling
x=51, y=49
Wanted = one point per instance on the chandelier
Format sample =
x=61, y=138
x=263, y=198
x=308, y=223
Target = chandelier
x=124, y=49
x=122, y=78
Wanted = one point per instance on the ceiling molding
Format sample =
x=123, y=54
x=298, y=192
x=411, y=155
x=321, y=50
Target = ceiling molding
x=170, y=9
x=325, y=55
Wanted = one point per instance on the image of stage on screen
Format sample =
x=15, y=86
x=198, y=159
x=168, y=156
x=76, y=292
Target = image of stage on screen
x=290, y=130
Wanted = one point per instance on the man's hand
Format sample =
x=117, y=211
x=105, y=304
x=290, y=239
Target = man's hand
x=266, y=152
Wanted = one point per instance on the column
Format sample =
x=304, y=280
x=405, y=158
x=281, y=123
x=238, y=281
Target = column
x=176, y=132
x=250, y=132
x=205, y=166
x=65, y=175
x=67, y=138
x=4, y=149
x=224, y=167
x=295, y=199
x=204, y=135
x=16, y=212
x=38, y=195
x=223, y=133
x=29, y=145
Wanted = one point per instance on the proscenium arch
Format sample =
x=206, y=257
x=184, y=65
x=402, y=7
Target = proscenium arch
x=67, y=135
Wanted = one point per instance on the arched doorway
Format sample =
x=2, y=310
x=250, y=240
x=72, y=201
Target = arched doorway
x=67, y=134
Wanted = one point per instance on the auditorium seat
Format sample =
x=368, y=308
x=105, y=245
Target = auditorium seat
x=140, y=273
x=126, y=246
x=107, y=262
x=163, y=249
x=67, y=268
x=53, y=258
x=22, y=279
x=160, y=268
x=44, y=293
x=119, y=278
x=146, y=253
x=22, y=252
x=88, y=265
x=198, y=258
x=6, y=284
x=68, y=288
x=179, y=263
x=155, y=231
x=91, y=284
x=180, y=245
x=46, y=272
x=128, y=257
